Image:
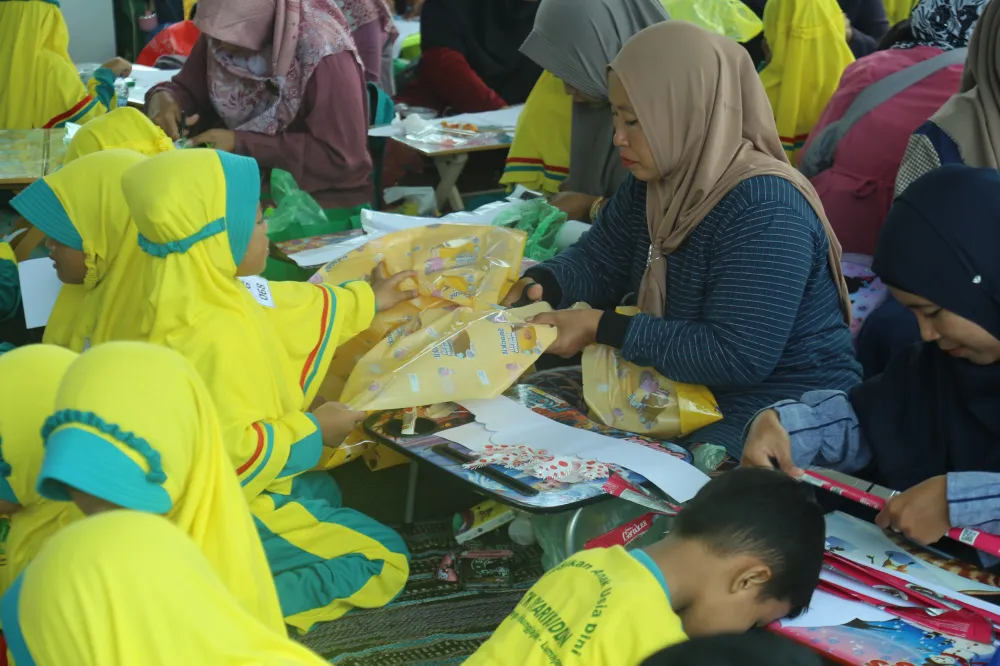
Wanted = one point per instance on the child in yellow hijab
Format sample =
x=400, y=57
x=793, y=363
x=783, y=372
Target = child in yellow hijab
x=199, y=228
x=40, y=84
x=93, y=242
x=807, y=53
x=126, y=588
x=83, y=212
x=122, y=128
x=31, y=377
x=134, y=427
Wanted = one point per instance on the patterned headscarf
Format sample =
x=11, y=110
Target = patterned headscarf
x=259, y=86
x=943, y=24
x=362, y=12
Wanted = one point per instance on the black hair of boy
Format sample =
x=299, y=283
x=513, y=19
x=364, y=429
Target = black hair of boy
x=756, y=648
x=765, y=513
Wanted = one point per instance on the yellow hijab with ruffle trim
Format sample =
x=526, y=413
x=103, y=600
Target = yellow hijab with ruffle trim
x=809, y=53
x=126, y=588
x=133, y=425
x=86, y=195
x=31, y=377
x=122, y=128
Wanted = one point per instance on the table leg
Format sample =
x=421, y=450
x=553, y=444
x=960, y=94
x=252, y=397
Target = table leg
x=449, y=169
x=571, y=532
x=411, y=494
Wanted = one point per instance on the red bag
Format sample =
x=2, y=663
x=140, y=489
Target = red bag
x=177, y=39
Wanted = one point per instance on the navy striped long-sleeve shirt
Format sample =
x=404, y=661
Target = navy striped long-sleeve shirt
x=751, y=310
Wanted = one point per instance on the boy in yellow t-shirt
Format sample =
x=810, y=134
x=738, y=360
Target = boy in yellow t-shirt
x=743, y=553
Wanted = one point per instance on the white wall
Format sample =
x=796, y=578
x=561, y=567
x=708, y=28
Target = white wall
x=91, y=29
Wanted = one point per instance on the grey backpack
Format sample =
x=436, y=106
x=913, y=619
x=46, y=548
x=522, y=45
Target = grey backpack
x=819, y=156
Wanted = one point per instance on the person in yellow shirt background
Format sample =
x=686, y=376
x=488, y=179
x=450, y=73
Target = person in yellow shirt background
x=806, y=54
x=31, y=378
x=40, y=83
x=746, y=551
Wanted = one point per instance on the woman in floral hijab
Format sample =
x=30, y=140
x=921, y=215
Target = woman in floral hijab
x=279, y=81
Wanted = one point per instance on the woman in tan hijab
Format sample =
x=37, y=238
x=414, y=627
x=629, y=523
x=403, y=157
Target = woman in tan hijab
x=966, y=130
x=735, y=267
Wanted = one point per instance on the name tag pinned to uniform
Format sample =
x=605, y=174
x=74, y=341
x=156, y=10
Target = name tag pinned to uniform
x=260, y=289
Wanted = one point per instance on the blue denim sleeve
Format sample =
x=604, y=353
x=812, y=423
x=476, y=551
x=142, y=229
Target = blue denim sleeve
x=824, y=431
x=974, y=500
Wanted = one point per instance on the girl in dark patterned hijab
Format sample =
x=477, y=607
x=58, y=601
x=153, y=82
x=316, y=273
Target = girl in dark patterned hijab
x=943, y=24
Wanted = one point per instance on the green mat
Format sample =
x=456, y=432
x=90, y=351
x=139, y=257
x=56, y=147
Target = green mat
x=432, y=622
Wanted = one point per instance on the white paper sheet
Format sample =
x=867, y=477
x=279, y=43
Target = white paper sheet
x=509, y=422
x=145, y=78
x=322, y=255
x=506, y=118
x=71, y=130
x=500, y=118
x=828, y=610
x=39, y=289
x=846, y=582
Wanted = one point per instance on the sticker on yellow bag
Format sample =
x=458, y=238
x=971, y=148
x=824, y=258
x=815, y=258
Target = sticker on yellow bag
x=626, y=396
x=462, y=265
x=451, y=355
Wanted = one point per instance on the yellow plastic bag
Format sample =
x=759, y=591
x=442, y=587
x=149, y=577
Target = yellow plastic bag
x=626, y=396
x=459, y=353
x=457, y=265
x=729, y=18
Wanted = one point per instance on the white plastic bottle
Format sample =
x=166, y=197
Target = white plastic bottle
x=520, y=530
x=121, y=92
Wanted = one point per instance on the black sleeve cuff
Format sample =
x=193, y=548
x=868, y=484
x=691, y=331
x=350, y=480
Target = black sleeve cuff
x=612, y=328
x=551, y=291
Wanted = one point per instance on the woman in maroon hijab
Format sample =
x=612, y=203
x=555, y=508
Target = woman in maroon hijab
x=279, y=81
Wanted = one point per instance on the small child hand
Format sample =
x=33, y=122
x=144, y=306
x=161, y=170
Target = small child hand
x=119, y=67
x=386, y=288
x=336, y=421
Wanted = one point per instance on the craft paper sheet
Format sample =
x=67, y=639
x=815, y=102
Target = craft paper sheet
x=503, y=421
x=39, y=290
x=828, y=610
x=866, y=544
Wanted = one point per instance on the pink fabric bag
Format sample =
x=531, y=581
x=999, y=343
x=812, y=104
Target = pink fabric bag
x=857, y=190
